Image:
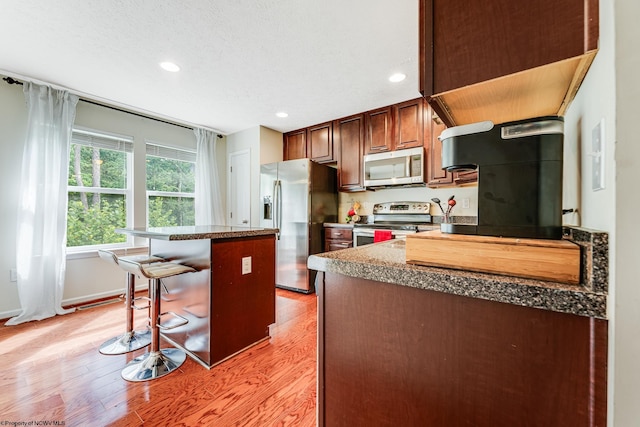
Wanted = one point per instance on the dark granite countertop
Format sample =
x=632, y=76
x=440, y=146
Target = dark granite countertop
x=385, y=262
x=197, y=232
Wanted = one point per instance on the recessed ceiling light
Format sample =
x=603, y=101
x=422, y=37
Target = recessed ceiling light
x=282, y=114
x=170, y=66
x=397, y=77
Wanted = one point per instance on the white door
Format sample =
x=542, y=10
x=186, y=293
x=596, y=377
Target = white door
x=240, y=189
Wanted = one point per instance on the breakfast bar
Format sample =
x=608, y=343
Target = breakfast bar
x=229, y=302
x=404, y=344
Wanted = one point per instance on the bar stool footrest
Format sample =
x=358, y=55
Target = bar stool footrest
x=141, y=307
x=181, y=321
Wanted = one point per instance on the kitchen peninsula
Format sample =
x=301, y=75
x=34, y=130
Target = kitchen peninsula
x=401, y=344
x=230, y=301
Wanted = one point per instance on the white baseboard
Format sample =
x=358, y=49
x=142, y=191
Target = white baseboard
x=76, y=301
x=101, y=295
x=9, y=314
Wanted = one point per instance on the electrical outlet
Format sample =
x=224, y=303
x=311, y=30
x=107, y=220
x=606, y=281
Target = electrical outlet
x=465, y=203
x=597, y=157
x=13, y=275
x=246, y=265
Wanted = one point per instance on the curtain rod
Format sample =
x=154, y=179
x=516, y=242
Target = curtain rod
x=12, y=81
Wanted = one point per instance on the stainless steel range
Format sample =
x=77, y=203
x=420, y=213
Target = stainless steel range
x=395, y=218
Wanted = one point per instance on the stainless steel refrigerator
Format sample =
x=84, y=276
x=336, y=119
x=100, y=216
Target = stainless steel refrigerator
x=297, y=197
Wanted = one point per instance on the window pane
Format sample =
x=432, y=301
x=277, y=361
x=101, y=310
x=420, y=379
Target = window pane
x=170, y=175
x=97, y=167
x=92, y=219
x=171, y=211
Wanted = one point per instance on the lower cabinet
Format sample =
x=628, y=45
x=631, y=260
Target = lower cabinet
x=392, y=355
x=337, y=238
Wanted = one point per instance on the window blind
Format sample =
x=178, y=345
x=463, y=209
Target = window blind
x=98, y=139
x=157, y=150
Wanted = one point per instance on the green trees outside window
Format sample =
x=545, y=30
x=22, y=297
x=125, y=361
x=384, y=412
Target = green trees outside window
x=97, y=196
x=171, y=191
x=100, y=194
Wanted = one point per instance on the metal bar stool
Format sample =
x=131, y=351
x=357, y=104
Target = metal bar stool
x=156, y=363
x=131, y=340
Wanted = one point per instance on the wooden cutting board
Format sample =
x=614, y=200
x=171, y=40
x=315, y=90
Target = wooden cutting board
x=553, y=260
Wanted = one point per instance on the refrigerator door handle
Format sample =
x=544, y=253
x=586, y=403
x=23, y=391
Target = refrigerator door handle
x=277, y=206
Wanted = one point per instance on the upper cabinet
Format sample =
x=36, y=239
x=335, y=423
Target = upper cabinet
x=321, y=142
x=379, y=130
x=436, y=176
x=295, y=145
x=348, y=137
x=409, y=124
x=395, y=127
x=315, y=143
x=502, y=60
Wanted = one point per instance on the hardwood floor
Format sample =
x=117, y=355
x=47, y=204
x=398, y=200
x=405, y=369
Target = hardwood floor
x=52, y=371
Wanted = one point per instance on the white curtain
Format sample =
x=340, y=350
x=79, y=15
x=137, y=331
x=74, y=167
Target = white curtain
x=42, y=205
x=208, y=199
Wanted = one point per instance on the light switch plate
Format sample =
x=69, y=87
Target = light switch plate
x=246, y=265
x=597, y=157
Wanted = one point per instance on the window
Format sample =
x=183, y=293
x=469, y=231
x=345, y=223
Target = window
x=99, y=194
x=170, y=186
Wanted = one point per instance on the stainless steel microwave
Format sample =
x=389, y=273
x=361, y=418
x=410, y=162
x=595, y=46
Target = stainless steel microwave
x=401, y=167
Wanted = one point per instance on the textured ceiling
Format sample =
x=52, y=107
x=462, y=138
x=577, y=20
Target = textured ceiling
x=242, y=61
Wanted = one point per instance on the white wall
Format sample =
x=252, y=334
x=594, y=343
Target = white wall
x=265, y=146
x=87, y=276
x=624, y=329
x=13, y=121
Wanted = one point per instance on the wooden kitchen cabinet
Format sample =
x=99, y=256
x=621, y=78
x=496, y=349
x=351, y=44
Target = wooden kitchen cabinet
x=501, y=60
x=403, y=356
x=321, y=142
x=315, y=142
x=295, y=145
x=337, y=238
x=465, y=177
x=436, y=176
x=395, y=127
x=409, y=130
x=379, y=135
x=348, y=139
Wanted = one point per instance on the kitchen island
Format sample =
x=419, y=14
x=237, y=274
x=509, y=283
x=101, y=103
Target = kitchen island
x=230, y=301
x=401, y=344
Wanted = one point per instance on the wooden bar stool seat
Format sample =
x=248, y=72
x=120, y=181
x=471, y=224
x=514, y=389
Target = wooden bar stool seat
x=130, y=340
x=156, y=363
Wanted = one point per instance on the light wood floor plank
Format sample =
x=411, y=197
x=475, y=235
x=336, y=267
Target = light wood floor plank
x=52, y=371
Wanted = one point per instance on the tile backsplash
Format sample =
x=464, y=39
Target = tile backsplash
x=368, y=199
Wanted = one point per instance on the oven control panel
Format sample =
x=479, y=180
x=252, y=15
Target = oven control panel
x=402, y=208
